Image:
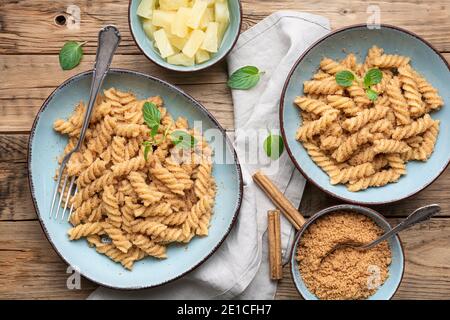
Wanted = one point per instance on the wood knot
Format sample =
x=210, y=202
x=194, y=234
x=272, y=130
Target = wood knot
x=60, y=20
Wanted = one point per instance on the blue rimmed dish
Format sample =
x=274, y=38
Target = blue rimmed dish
x=358, y=39
x=396, y=269
x=148, y=49
x=45, y=146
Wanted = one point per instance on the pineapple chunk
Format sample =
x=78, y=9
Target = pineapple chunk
x=179, y=27
x=163, y=44
x=201, y=56
x=172, y=4
x=181, y=59
x=210, y=3
x=145, y=8
x=208, y=16
x=197, y=12
x=163, y=19
x=178, y=42
x=194, y=43
x=221, y=12
x=210, y=43
x=221, y=32
x=148, y=27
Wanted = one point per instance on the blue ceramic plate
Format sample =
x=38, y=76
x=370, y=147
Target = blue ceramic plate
x=396, y=269
x=148, y=49
x=358, y=39
x=46, y=145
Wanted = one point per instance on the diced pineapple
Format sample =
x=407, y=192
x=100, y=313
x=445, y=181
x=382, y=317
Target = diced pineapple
x=145, y=8
x=210, y=42
x=163, y=44
x=172, y=4
x=163, y=19
x=202, y=56
x=178, y=42
x=197, y=12
x=179, y=27
x=208, y=16
x=194, y=43
x=148, y=27
x=221, y=12
x=221, y=32
x=210, y=3
x=181, y=59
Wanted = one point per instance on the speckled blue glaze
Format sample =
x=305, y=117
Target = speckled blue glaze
x=396, y=269
x=46, y=145
x=359, y=39
x=146, y=45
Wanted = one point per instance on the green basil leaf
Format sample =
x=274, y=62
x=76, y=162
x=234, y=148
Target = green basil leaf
x=371, y=94
x=70, y=55
x=152, y=117
x=183, y=139
x=244, y=78
x=344, y=78
x=147, y=149
x=273, y=146
x=372, y=77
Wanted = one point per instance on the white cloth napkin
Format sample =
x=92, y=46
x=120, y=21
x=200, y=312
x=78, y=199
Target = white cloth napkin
x=239, y=268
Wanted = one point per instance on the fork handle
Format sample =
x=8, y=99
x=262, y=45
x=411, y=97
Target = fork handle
x=108, y=41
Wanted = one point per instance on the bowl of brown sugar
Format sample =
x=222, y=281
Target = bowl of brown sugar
x=346, y=273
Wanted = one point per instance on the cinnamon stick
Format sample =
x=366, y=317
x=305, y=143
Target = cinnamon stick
x=274, y=236
x=279, y=200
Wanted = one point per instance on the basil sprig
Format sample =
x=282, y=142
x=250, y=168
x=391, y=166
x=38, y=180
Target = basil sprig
x=70, y=54
x=245, y=78
x=372, y=77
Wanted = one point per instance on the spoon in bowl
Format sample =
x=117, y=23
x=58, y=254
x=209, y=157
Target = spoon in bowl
x=419, y=215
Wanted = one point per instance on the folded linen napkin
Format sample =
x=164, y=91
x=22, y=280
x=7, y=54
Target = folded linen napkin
x=239, y=268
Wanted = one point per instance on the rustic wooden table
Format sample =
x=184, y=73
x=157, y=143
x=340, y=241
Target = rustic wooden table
x=30, y=39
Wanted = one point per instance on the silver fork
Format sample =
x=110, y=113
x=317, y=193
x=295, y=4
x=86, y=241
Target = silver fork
x=108, y=41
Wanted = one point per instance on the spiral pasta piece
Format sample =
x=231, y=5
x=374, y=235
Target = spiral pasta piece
x=325, y=162
x=351, y=144
x=313, y=106
x=353, y=173
x=111, y=206
x=143, y=190
x=391, y=61
x=118, y=238
x=103, y=135
x=344, y=104
x=378, y=179
x=149, y=247
x=80, y=214
x=429, y=93
x=390, y=146
x=358, y=95
x=429, y=141
x=307, y=131
x=94, y=171
x=413, y=129
x=321, y=87
x=84, y=230
x=330, y=66
x=398, y=102
x=355, y=123
x=166, y=177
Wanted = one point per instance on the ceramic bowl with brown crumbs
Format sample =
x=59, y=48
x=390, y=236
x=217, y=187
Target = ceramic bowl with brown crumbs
x=346, y=273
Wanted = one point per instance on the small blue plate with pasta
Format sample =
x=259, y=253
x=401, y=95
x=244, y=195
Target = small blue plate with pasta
x=133, y=248
x=364, y=114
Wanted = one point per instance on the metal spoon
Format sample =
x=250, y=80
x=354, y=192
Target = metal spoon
x=419, y=215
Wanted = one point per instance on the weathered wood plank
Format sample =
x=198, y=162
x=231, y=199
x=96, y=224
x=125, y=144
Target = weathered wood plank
x=28, y=26
x=26, y=82
x=31, y=269
x=13, y=147
x=427, y=271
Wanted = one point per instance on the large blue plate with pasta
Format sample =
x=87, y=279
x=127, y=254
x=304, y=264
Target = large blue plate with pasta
x=46, y=145
x=358, y=39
